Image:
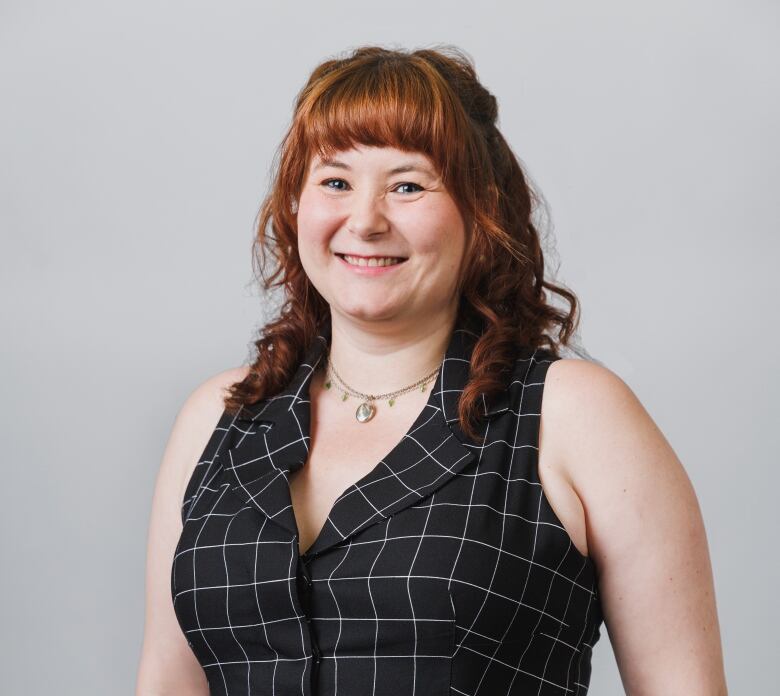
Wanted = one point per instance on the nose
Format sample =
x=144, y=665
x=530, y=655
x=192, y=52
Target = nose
x=367, y=215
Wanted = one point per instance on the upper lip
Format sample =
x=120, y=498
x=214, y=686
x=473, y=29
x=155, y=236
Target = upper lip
x=372, y=256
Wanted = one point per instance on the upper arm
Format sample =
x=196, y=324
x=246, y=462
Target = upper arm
x=645, y=534
x=168, y=665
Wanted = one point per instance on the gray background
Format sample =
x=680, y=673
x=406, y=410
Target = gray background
x=136, y=144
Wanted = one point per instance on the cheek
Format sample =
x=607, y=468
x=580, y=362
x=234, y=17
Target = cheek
x=314, y=215
x=313, y=235
x=442, y=239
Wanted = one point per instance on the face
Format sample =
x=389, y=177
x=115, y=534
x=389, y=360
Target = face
x=355, y=204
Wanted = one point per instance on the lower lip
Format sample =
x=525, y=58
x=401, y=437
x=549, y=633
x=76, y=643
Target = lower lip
x=370, y=270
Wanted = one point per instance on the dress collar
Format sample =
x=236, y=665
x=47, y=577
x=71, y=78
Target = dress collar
x=445, y=394
x=270, y=439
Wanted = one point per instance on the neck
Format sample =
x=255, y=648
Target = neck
x=378, y=359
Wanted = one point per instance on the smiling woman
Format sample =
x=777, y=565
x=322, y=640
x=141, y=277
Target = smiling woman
x=466, y=528
x=380, y=160
x=372, y=221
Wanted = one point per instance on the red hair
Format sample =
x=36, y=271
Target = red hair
x=428, y=101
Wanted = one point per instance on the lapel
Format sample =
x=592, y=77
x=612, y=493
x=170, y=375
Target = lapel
x=271, y=439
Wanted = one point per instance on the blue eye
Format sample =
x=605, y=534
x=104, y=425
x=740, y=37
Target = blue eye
x=405, y=183
x=409, y=183
x=330, y=181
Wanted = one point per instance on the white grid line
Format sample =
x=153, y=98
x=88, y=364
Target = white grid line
x=443, y=570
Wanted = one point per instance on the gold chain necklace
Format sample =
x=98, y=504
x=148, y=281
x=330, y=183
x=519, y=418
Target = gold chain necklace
x=365, y=412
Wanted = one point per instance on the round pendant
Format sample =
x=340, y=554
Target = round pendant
x=365, y=412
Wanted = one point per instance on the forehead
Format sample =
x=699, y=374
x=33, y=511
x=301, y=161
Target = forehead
x=390, y=160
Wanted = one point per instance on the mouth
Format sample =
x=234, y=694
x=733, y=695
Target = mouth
x=371, y=262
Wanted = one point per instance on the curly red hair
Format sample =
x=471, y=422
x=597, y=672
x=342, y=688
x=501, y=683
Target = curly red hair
x=427, y=101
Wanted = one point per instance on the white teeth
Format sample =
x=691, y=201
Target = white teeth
x=359, y=261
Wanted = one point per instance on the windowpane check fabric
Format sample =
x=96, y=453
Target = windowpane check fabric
x=443, y=571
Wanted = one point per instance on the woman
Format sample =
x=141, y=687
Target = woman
x=380, y=503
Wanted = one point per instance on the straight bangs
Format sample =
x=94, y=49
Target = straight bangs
x=387, y=103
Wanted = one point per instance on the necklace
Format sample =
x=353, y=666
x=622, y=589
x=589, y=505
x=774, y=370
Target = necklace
x=365, y=412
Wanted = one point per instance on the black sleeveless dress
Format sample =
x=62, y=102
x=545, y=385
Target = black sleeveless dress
x=443, y=571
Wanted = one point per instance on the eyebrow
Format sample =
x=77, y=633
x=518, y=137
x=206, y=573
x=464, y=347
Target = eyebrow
x=410, y=167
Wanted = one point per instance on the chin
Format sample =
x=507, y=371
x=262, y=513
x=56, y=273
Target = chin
x=363, y=313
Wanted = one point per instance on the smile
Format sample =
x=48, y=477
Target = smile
x=370, y=266
x=371, y=260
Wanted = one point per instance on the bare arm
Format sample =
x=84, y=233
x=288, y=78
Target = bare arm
x=168, y=666
x=645, y=534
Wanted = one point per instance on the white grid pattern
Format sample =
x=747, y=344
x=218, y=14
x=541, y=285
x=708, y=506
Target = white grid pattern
x=444, y=570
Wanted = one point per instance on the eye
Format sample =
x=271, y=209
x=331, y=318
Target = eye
x=409, y=183
x=327, y=183
x=330, y=181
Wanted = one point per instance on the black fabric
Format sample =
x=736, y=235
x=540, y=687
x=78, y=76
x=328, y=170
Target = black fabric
x=444, y=570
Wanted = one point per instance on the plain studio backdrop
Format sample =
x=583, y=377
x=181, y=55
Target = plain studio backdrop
x=137, y=140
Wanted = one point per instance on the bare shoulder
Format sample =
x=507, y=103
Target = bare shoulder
x=571, y=394
x=644, y=527
x=603, y=428
x=573, y=382
x=200, y=414
x=605, y=441
x=167, y=664
x=206, y=400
